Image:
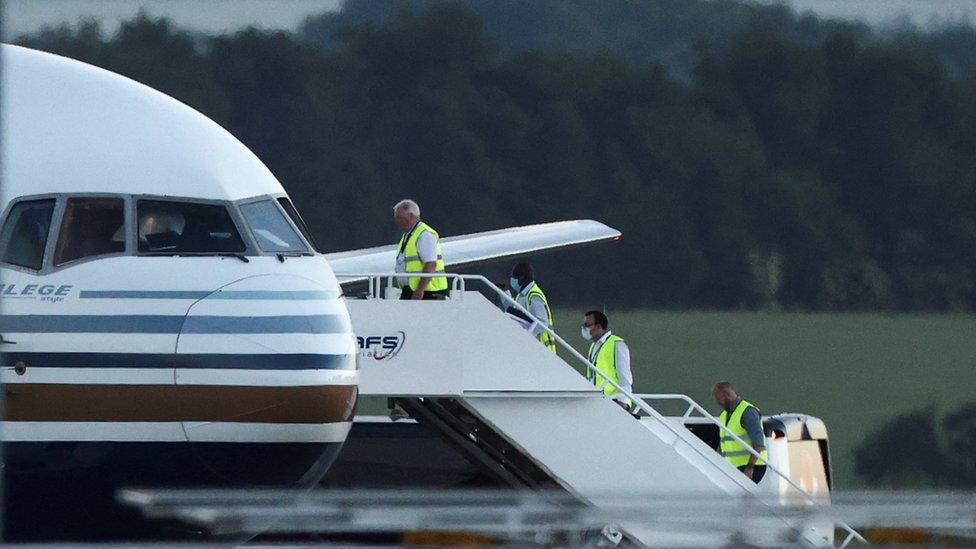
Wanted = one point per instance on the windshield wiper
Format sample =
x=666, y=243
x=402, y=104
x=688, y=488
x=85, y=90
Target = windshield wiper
x=282, y=255
x=242, y=257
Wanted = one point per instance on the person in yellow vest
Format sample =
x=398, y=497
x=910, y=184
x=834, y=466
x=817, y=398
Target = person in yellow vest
x=530, y=296
x=419, y=251
x=745, y=420
x=610, y=354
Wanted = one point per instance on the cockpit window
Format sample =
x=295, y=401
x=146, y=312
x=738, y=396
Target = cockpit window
x=297, y=220
x=24, y=234
x=271, y=229
x=186, y=227
x=91, y=226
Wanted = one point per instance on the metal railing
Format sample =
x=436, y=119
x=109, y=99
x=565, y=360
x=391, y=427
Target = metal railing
x=458, y=287
x=693, y=406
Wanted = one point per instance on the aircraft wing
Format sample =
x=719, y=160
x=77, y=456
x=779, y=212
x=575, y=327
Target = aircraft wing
x=476, y=248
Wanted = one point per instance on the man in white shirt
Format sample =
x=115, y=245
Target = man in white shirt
x=610, y=355
x=419, y=251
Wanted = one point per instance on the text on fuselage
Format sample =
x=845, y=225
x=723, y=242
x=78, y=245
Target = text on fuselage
x=44, y=292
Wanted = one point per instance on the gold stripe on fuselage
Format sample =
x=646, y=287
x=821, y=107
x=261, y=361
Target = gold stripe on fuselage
x=159, y=403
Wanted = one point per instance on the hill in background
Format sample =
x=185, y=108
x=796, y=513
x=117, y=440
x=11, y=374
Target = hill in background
x=752, y=158
x=667, y=32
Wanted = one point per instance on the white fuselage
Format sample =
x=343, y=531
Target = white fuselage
x=133, y=331
x=164, y=317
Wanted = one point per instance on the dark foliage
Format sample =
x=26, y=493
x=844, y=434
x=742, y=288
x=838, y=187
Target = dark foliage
x=799, y=165
x=912, y=451
x=637, y=31
x=959, y=429
x=904, y=452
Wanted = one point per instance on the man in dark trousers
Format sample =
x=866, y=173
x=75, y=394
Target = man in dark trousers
x=419, y=251
x=744, y=420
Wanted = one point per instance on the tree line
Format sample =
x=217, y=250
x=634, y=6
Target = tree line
x=920, y=449
x=788, y=163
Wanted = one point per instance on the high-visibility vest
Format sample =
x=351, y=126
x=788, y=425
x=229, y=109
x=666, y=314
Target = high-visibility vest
x=413, y=263
x=606, y=362
x=737, y=455
x=535, y=292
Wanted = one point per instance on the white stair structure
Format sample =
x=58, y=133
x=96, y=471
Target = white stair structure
x=467, y=368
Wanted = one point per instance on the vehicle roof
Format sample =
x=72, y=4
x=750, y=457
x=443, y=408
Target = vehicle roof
x=71, y=127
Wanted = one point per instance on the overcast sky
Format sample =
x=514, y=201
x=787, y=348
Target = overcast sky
x=880, y=12
x=216, y=16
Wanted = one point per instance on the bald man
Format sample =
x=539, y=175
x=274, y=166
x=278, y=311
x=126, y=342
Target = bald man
x=744, y=420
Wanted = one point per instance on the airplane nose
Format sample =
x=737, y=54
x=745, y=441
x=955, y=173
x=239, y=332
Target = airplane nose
x=266, y=372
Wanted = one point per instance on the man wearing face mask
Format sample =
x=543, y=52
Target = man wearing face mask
x=530, y=296
x=611, y=356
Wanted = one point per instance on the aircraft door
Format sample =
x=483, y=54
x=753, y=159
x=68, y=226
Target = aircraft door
x=269, y=363
x=89, y=385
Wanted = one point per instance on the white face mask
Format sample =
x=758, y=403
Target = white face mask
x=585, y=332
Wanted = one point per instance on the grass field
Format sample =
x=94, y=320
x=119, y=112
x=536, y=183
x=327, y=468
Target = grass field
x=854, y=371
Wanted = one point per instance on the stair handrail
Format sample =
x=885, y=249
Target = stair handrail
x=458, y=284
x=694, y=406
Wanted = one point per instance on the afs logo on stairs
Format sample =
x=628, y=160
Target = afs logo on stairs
x=381, y=347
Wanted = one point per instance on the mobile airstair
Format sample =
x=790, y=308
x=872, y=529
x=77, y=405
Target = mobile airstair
x=466, y=369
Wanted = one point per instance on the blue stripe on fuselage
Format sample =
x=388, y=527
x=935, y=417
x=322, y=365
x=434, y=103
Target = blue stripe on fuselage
x=302, y=324
x=175, y=294
x=170, y=324
x=297, y=361
x=299, y=295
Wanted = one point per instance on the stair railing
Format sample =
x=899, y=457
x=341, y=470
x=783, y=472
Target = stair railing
x=458, y=287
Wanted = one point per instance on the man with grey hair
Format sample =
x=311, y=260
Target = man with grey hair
x=419, y=251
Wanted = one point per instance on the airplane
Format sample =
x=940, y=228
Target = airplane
x=166, y=319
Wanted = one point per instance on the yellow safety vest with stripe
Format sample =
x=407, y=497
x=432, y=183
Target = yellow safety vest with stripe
x=737, y=455
x=414, y=264
x=536, y=292
x=606, y=362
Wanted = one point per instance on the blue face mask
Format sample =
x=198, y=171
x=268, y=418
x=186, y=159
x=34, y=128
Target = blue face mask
x=513, y=283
